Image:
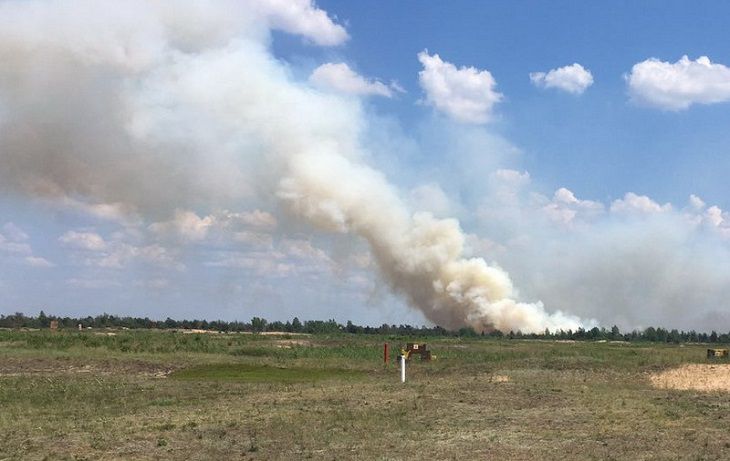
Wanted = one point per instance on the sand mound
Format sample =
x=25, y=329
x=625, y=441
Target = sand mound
x=695, y=377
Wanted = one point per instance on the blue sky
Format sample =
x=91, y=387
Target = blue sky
x=598, y=143
x=221, y=159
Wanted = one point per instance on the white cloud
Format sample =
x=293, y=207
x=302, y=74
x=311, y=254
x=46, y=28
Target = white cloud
x=153, y=284
x=90, y=241
x=116, y=253
x=679, y=85
x=465, y=94
x=260, y=263
x=257, y=219
x=37, y=261
x=92, y=284
x=696, y=202
x=304, y=18
x=289, y=257
x=512, y=178
x=187, y=225
x=8, y=246
x=14, y=232
x=718, y=220
x=341, y=78
x=573, y=79
x=14, y=242
x=254, y=239
x=121, y=254
x=638, y=204
x=303, y=250
x=113, y=212
x=715, y=216
x=565, y=207
x=507, y=184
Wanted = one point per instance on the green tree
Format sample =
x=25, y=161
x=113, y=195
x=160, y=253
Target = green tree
x=43, y=320
x=258, y=324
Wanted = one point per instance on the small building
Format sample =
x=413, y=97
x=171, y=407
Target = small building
x=417, y=349
x=717, y=353
x=54, y=325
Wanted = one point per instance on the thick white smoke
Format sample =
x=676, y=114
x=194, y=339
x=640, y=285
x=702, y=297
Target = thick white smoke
x=419, y=255
x=150, y=107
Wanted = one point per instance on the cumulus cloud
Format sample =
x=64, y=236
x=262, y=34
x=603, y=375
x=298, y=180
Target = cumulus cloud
x=339, y=77
x=565, y=207
x=14, y=242
x=15, y=247
x=38, y=261
x=92, y=284
x=187, y=226
x=633, y=203
x=14, y=233
x=302, y=17
x=121, y=254
x=284, y=258
x=465, y=94
x=696, y=202
x=115, y=253
x=677, y=86
x=90, y=241
x=573, y=79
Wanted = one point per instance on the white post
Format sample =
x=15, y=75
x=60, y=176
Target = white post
x=402, y=368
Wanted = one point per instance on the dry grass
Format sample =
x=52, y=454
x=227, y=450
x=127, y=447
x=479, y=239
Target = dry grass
x=700, y=377
x=481, y=400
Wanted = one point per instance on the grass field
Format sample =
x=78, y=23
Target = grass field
x=169, y=395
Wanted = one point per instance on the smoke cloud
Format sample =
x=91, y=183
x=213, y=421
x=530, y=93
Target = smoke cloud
x=175, y=119
x=158, y=107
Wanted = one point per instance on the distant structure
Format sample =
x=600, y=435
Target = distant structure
x=717, y=353
x=54, y=325
x=417, y=349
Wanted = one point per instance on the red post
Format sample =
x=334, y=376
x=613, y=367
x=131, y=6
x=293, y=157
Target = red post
x=385, y=353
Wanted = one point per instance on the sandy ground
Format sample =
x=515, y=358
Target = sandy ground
x=709, y=377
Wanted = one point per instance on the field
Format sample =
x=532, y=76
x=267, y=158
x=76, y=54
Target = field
x=171, y=395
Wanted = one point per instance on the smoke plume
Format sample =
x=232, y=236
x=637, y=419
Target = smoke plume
x=147, y=108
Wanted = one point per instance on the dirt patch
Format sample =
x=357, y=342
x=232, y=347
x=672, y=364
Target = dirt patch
x=289, y=343
x=39, y=366
x=281, y=333
x=499, y=379
x=494, y=378
x=197, y=331
x=695, y=377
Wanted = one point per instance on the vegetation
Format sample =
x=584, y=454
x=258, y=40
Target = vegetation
x=156, y=394
x=260, y=373
x=260, y=325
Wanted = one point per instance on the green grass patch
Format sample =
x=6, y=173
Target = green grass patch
x=261, y=373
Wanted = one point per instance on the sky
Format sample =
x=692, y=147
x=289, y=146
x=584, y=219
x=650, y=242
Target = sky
x=511, y=165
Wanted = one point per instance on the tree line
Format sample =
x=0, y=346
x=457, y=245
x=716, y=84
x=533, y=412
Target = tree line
x=260, y=325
